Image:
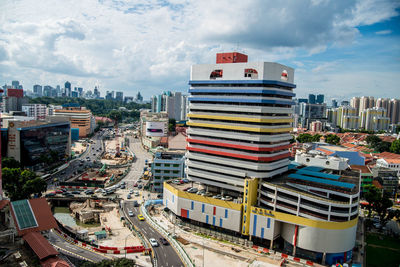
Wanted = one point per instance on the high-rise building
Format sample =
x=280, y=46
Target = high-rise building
x=110, y=95
x=68, y=90
x=374, y=119
x=320, y=99
x=228, y=121
x=37, y=90
x=394, y=111
x=16, y=85
x=13, y=99
x=37, y=111
x=316, y=126
x=96, y=92
x=355, y=103
x=311, y=99
x=139, y=97
x=237, y=158
x=345, y=103
x=174, y=103
x=119, y=96
x=334, y=103
x=302, y=100
x=345, y=117
x=311, y=112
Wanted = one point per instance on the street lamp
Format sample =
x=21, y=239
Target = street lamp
x=125, y=243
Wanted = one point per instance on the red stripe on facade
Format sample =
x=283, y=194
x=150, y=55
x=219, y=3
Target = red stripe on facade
x=215, y=210
x=190, y=140
x=220, y=153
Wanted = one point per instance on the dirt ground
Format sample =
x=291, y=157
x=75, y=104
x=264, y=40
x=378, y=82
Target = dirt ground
x=78, y=148
x=109, y=159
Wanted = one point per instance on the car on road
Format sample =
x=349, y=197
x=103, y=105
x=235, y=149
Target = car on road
x=89, y=192
x=122, y=186
x=135, y=203
x=164, y=241
x=130, y=213
x=153, y=242
x=136, y=194
x=129, y=196
x=140, y=186
x=185, y=180
x=140, y=217
x=131, y=191
x=135, y=185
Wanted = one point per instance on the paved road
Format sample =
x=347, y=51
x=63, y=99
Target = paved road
x=75, y=251
x=166, y=255
x=81, y=164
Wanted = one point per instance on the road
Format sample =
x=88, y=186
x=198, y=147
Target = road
x=75, y=251
x=166, y=255
x=79, y=165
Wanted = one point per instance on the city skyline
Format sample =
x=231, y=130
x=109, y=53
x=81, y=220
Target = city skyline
x=335, y=47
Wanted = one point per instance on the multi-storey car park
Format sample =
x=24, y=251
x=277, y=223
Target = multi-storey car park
x=237, y=155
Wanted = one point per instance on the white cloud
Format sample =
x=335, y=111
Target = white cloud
x=150, y=45
x=384, y=32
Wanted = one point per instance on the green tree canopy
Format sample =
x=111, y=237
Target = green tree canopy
x=10, y=163
x=332, y=139
x=21, y=184
x=395, y=147
x=379, y=203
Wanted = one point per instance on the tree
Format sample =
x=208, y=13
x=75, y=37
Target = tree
x=304, y=138
x=10, y=163
x=373, y=194
x=395, y=147
x=381, y=208
x=316, y=138
x=372, y=140
x=171, y=125
x=115, y=115
x=21, y=184
x=119, y=262
x=332, y=139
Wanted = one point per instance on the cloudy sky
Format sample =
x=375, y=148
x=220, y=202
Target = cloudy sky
x=341, y=48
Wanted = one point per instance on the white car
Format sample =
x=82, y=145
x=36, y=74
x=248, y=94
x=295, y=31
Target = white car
x=130, y=213
x=153, y=242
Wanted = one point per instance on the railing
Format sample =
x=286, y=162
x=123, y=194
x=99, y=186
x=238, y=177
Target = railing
x=184, y=256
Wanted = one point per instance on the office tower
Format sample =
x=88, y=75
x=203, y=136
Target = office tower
x=16, y=85
x=139, y=97
x=174, y=103
x=311, y=99
x=320, y=99
x=311, y=112
x=37, y=90
x=13, y=99
x=110, y=95
x=47, y=90
x=119, y=96
x=345, y=103
x=334, y=103
x=227, y=121
x=96, y=92
x=67, y=89
x=80, y=91
x=302, y=100
x=355, y=103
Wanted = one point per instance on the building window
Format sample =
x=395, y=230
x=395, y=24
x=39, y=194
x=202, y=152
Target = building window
x=166, y=171
x=167, y=165
x=192, y=205
x=157, y=171
x=175, y=171
x=327, y=162
x=202, y=208
x=176, y=165
x=251, y=73
x=158, y=164
x=216, y=74
x=226, y=213
x=244, y=219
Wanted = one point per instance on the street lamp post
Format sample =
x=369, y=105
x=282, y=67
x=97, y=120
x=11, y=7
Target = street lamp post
x=125, y=243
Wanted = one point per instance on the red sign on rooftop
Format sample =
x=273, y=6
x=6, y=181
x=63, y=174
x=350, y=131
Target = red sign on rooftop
x=15, y=92
x=231, y=57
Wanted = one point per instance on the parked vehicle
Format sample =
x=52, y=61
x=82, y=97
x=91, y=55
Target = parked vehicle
x=140, y=186
x=193, y=190
x=187, y=188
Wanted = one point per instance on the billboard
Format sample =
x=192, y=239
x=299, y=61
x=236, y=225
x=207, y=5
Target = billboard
x=155, y=128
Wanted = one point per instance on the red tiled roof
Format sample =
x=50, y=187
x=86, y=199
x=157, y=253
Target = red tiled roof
x=363, y=169
x=3, y=203
x=54, y=262
x=43, y=215
x=388, y=155
x=393, y=161
x=327, y=152
x=40, y=245
x=377, y=184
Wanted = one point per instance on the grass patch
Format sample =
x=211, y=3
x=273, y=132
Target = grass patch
x=389, y=242
x=216, y=239
x=378, y=257
x=382, y=256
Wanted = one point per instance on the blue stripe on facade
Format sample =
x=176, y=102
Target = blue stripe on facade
x=202, y=207
x=271, y=82
x=255, y=225
x=173, y=198
x=166, y=202
x=187, y=213
x=206, y=218
x=192, y=205
x=269, y=223
x=262, y=232
x=250, y=91
x=220, y=222
x=214, y=220
x=226, y=213
x=238, y=100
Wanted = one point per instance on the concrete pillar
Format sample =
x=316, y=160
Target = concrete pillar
x=323, y=258
x=271, y=244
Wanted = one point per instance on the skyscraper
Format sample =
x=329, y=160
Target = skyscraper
x=67, y=89
x=311, y=99
x=320, y=99
x=334, y=103
x=119, y=96
x=37, y=90
x=228, y=122
x=355, y=103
